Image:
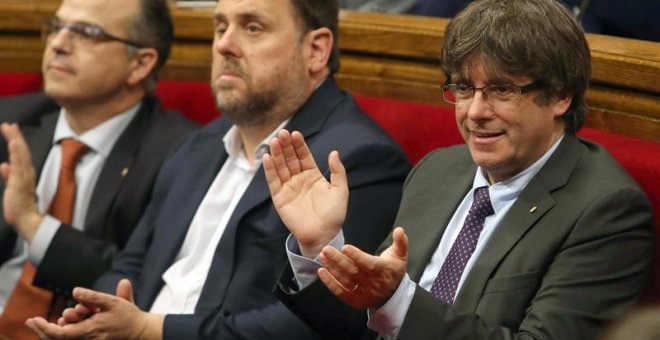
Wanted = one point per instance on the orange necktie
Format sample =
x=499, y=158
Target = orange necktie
x=26, y=300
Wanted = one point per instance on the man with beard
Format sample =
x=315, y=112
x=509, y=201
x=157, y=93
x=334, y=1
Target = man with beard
x=100, y=65
x=210, y=246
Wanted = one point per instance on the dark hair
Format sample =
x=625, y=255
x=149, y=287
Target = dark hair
x=539, y=39
x=153, y=27
x=313, y=14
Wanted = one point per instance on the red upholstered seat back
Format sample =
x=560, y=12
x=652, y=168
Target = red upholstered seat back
x=193, y=98
x=12, y=83
x=419, y=128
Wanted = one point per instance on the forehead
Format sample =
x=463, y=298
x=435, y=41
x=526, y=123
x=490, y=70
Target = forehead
x=115, y=14
x=276, y=10
x=476, y=71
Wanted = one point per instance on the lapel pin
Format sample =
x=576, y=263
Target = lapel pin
x=533, y=209
x=124, y=172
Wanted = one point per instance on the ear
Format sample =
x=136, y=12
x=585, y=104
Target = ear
x=142, y=64
x=319, y=42
x=561, y=103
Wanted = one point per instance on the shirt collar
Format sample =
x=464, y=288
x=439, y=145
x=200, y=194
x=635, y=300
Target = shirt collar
x=502, y=192
x=234, y=144
x=101, y=138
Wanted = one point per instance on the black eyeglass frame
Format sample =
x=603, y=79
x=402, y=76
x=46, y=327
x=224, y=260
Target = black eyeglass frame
x=88, y=31
x=522, y=89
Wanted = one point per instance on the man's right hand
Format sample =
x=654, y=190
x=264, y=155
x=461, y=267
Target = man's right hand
x=311, y=207
x=20, y=207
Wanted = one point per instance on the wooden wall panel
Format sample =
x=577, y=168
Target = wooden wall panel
x=383, y=55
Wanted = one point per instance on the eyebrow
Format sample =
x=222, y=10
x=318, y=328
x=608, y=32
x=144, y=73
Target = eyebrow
x=242, y=17
x=77, y=22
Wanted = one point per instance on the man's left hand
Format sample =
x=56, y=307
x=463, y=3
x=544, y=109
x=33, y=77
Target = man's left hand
x=114, y=317
x=361, y=280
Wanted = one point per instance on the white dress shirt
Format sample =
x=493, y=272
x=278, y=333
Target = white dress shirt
x=100, y=140
x=185, y=278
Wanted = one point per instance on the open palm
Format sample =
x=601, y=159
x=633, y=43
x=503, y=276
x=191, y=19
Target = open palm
x=311, y=207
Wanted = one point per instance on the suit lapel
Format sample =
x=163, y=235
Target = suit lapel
x=114, y=169
x=435, y=220
x=308, y=121
x=39, y=139
x=522, y=216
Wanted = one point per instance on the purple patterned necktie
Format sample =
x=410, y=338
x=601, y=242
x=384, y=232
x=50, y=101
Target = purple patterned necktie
x=445, y=284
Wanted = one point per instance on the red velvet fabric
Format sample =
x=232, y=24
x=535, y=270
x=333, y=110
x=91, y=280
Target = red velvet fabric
x=12, y=83
x=418, y=128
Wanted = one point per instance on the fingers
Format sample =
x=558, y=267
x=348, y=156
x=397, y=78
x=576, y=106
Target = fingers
x=340, y=267
x=31, y=325
x=93, y=299
x=274, y=183
x=74, y=315
x=4, y=171
x=337, y=172
x=44, y=330
x=305, y=157
x=125, y=290
x=329, y=281
x=289, y=156
x=400, y=244
x=19, y=154
x=279, y=162
x=364, y=261
x=289, y=153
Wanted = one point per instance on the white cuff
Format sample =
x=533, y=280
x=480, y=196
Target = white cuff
x=387, y=320
x=304, y=269
x=42, y=238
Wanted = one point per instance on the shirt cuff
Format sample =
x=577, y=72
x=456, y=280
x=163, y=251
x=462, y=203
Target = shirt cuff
x=304, y=269
x=42, y=239
x=387, y=320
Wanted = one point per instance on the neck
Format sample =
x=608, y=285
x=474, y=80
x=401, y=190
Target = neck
x=251, y=136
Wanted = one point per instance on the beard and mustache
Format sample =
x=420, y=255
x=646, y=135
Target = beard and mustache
x=253, y=109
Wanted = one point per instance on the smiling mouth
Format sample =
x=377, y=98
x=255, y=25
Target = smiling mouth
x=486, y=134
x=59, y=68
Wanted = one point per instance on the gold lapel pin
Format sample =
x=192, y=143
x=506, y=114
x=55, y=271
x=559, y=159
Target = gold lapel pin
x=124, y=172
x=533, y=209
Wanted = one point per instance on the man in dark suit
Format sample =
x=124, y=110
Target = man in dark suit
x=209, y=248
x=98, y=69
x=557, y=238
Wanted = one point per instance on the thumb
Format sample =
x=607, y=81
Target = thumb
x=400, y=246
x=337, y=171
x=125, y=290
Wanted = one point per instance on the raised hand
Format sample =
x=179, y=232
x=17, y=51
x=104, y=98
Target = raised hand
x=311, y=207
x=111, y=317
x=20, y=207
x=361, y=280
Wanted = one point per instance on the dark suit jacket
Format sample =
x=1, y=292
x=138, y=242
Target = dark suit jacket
x=76, y=258
x=555, y=272
x=237, y=301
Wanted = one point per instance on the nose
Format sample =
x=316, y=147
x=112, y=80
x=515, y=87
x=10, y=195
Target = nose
x=227, y=44
x=479, y=108
x=61, y=41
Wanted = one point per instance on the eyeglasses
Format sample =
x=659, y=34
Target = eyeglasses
x=82, y=32
x=493, y=94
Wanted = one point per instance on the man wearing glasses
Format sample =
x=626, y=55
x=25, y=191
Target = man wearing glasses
x=524, y=232
x=91, y=149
